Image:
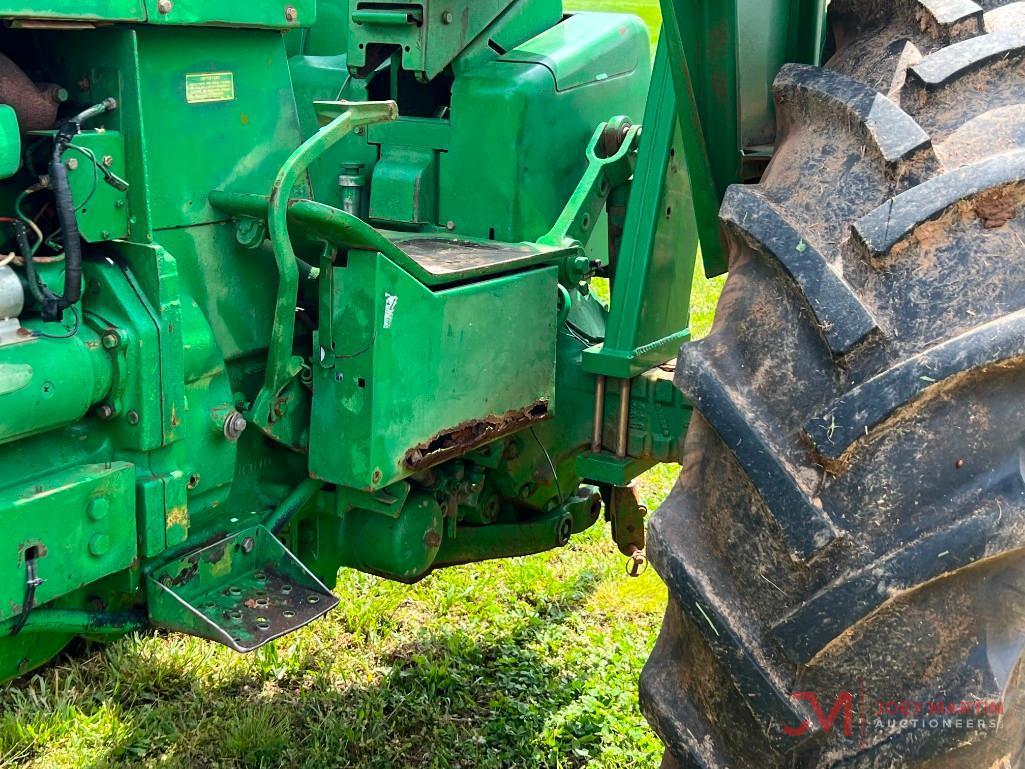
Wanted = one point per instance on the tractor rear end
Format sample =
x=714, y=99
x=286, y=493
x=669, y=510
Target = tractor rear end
x=290, y=288
x=297, y=287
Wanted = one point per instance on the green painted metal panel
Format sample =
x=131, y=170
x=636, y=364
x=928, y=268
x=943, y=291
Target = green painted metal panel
x=86, y=10
x=407, y=364
x=724, y=55
x=510, y=105
x=78, y=525
x=10, y=142
x=404, y=187
x=554, y=49
x=650, y=309
x=284, y=14
x=423, y=133
x=769, y=34
x=287, y=14
x=258, y=122
x=102, y=208
x=428, y=34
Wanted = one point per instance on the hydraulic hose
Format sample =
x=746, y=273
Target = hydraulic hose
x=295, y=501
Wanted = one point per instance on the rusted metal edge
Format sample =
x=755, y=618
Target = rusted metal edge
x=472, y=433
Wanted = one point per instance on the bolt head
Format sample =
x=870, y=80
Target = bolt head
x=105, y=411
x=248, y=544
x=111, y=340
x=291, y=14
x=132, y=417
x=165, y=6
x=97, y=509
x=108, y=160
x=72, y=164
x=234, y=425
x=447, y=17
x=99, y=545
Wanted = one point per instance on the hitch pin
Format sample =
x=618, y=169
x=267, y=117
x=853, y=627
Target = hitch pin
x=636, y=562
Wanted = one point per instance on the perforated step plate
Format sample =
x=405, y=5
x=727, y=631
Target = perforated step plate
x=242, y=591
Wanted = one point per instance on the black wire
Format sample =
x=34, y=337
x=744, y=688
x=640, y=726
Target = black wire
x=36, y=287
x=96, y=168
x=31, y=583
x=71, y=332
x=551, y=465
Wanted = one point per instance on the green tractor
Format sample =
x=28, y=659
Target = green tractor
x=289, y=287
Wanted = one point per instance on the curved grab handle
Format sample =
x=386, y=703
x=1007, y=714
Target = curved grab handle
x=341, y=119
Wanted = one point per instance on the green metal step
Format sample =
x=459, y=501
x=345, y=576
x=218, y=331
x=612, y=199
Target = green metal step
x=242, y=591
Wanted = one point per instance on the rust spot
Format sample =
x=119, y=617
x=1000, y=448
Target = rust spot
x=186, y=574
x=177, y=516
x=472, y=433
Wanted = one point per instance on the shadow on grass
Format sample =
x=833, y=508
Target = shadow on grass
x=445, y=699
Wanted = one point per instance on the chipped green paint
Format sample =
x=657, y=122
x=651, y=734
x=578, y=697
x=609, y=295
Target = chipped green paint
x=14, y=377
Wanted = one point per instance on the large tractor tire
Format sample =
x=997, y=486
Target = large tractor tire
x=845, y=549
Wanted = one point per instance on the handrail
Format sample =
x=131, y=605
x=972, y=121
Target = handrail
x=281, y=368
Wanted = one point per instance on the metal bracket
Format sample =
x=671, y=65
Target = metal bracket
x=611, y=156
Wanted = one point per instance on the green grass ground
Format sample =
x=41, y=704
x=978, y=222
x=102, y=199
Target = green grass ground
x=530, y=662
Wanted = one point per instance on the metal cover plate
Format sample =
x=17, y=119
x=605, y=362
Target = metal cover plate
x=447, y=259
x=79, y=523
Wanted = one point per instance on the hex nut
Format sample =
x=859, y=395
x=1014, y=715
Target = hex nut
x=234, y=425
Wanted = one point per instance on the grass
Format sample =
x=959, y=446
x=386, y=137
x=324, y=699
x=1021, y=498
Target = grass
x=529, y=662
